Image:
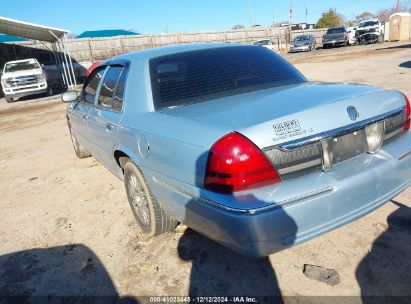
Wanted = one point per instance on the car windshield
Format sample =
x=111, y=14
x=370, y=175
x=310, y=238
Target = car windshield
x=368, y=23
x=21, y=66
x=262, y=42
x=302, y=38
x=197, y=76
x=336, y=30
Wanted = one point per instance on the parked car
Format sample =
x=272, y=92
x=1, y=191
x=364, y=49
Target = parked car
x=335, y=36
x=351, y=31
x=22, y=78
x=303, y=43
x=234, y=142
x=267, y=43
x=369, y=31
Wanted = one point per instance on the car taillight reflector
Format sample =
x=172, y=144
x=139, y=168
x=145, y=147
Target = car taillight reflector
x=236, y=164
x=407, y=114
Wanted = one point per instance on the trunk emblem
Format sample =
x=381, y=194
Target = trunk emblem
x=352, y=113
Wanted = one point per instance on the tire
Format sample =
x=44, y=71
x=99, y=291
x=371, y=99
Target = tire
x=150, y=216
x=49, y=91
x=9, y=99
x=80, y=151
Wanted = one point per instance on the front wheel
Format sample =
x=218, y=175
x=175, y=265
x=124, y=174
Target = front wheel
x=49, y=91
x=9, y=99
x=80, y=151
x=150, y=216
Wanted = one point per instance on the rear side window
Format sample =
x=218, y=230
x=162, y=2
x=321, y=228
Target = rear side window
x=336, y=30
x=118, y=95
x=90, y=88
x=109, y=88
x=197, y=76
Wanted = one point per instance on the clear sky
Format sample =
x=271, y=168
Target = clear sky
x=155, y=16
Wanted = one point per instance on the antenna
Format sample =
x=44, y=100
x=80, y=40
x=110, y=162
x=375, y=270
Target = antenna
x=250, y=12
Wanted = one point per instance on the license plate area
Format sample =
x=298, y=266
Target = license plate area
x=348, y=146
x=340, y=148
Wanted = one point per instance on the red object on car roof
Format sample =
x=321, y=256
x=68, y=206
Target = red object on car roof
x=92, y=67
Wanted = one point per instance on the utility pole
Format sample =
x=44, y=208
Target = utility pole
x=290, y=17
x=250, y=12
x=398, y=6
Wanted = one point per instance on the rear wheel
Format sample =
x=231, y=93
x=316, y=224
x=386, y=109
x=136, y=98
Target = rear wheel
x=150, y=216
x=80, y=151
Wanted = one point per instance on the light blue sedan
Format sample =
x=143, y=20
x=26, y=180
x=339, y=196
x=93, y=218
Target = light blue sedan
x=234, y=142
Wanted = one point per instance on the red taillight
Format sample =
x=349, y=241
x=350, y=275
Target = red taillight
x=407, y=114
x=236, y=164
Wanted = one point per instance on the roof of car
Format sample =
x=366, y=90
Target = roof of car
x=147, y=54
x=368, y=20
x=22, y=60
x=304, y=35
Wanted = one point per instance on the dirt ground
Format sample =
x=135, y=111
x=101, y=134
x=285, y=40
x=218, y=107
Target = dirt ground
x=66, y=227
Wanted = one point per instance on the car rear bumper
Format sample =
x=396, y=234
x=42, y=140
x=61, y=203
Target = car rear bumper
x=293, y=211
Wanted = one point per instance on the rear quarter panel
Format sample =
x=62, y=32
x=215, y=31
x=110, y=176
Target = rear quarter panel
x=171, y=146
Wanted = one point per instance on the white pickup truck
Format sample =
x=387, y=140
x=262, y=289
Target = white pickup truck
x=22, y=78
x=369, y=31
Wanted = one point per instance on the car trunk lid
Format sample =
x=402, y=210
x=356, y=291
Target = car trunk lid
x=278, y=115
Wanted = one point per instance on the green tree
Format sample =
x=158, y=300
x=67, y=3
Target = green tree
x=330, y=19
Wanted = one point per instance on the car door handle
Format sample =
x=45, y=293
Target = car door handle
x=85, y=116
x=109, y=127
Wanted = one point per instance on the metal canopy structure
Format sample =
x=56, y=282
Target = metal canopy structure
x=55, y=36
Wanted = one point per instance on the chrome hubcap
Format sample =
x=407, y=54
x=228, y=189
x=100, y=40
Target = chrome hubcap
x=138, y=199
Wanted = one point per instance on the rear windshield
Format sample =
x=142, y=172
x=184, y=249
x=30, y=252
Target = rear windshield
x=197, y=76
x=336, y=30
x=301, y=38
x=21, y=66
x=368, y=23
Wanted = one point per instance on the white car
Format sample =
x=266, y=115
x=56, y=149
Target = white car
x=369, y=31
x=22, y=78
x=267, y=43
x=351, y=34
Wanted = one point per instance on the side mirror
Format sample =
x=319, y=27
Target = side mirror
x=70, y=96
x=42, y=66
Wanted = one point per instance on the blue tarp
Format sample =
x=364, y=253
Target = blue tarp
x=105, y=33
x=10, y=38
